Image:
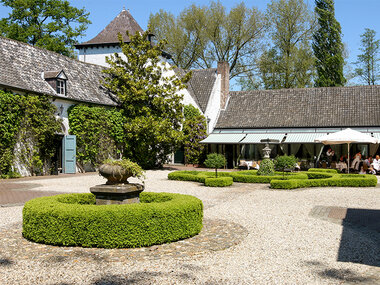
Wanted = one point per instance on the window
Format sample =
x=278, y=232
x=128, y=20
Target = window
x=61, y=87
x=57, y=80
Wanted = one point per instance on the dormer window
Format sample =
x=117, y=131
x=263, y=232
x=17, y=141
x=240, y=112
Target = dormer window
x=57, y=80
x=61, y=87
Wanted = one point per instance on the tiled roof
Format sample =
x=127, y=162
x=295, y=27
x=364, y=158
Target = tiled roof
x=200, y=85
x=310, y=107
x=51, y=74
x=123, y=22
x=22, y=67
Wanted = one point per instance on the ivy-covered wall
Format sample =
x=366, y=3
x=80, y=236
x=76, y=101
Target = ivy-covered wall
x=99, y=131
x=28, y=129
x=194, y=130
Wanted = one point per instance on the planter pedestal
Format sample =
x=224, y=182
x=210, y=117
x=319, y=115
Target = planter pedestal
x=117, y=193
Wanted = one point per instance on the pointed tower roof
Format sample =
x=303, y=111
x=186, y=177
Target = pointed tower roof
x=123, y=22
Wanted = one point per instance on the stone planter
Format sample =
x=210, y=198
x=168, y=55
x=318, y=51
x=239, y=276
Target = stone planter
x=117, y=189
x=115, y=174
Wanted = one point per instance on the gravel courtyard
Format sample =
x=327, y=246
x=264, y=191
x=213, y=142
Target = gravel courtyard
x=283, y=237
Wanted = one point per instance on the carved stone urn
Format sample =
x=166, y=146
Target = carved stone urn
x=115, y=174
x=117, y=189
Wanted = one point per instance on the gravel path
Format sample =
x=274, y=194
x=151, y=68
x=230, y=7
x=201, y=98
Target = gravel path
x=284, y=244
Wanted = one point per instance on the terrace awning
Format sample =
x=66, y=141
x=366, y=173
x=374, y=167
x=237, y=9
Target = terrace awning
x=256, y=138
x=376, y=135
x=224, y=138
x=303, y=137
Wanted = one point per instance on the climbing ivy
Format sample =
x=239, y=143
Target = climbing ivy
x=194, y=129
x=99, y=131
x=28, y=127
x=10, y=118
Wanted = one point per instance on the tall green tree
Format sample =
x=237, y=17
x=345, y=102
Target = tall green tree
x=149, y=99
x=203, y=35
x=328, y=47
x=368, y=62
x=288, y=63
x=292, y=24
x=51, y=24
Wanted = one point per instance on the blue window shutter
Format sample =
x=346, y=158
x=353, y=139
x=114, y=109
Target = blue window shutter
x=69, y=154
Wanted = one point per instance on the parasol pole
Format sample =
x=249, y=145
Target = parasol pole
x=348, y=158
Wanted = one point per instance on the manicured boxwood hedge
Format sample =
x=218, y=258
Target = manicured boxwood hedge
x=197, y=176
x=334, y=171
x=315, y=177
x=219, y=182
x=335, y=180
x=74, y=220
x=246, y=176
x=252, y=177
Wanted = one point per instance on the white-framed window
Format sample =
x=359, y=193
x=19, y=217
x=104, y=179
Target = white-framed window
x=61, y=87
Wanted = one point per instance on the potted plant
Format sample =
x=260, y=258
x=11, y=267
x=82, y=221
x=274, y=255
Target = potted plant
x=118, y=171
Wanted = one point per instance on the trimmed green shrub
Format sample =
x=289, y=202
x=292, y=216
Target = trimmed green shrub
x=337, y=180
x=266, y=168
x=323, y=170
x=215, y=160
x=246, y=176
x=254, y=178
x=285, y=161
x=319, y=175
x=184, y=175
x=74, y=220
x=219, y=181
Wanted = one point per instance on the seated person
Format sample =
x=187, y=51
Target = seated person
x=376, y=164
x=356, y=161
x=341, y=164
x=362, y=171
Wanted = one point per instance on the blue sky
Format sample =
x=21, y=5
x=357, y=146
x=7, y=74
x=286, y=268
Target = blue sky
x=353, y=15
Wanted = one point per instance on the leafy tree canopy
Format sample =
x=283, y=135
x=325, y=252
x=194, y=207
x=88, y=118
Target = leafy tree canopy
x=203, y=35
x=51, y=24
x=368, y=62
x=215, y=160
x=149, y=98
x=288, y=62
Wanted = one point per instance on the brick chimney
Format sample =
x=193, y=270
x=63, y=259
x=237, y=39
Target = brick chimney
x=224, y=70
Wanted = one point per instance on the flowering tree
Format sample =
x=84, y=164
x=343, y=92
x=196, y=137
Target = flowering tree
x=194, y=130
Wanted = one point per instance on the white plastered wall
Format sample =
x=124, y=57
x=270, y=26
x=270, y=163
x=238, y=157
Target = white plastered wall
x=213, y=105
x=64, y=116
x=97, y=55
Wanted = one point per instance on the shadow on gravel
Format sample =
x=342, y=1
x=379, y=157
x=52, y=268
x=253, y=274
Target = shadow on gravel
x=360, y=241
x=344, y=275
x=5, y=262
x=143, y=277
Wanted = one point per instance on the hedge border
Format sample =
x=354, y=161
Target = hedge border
x=219, y=181
x=74, y=220
x=335, y=180
x=334, y=171
x=315, y=177
x=245, y=176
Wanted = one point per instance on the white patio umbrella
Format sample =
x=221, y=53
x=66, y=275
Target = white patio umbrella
x=347, y=136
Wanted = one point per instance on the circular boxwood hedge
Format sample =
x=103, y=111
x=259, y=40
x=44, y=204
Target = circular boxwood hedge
x=75, y=220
